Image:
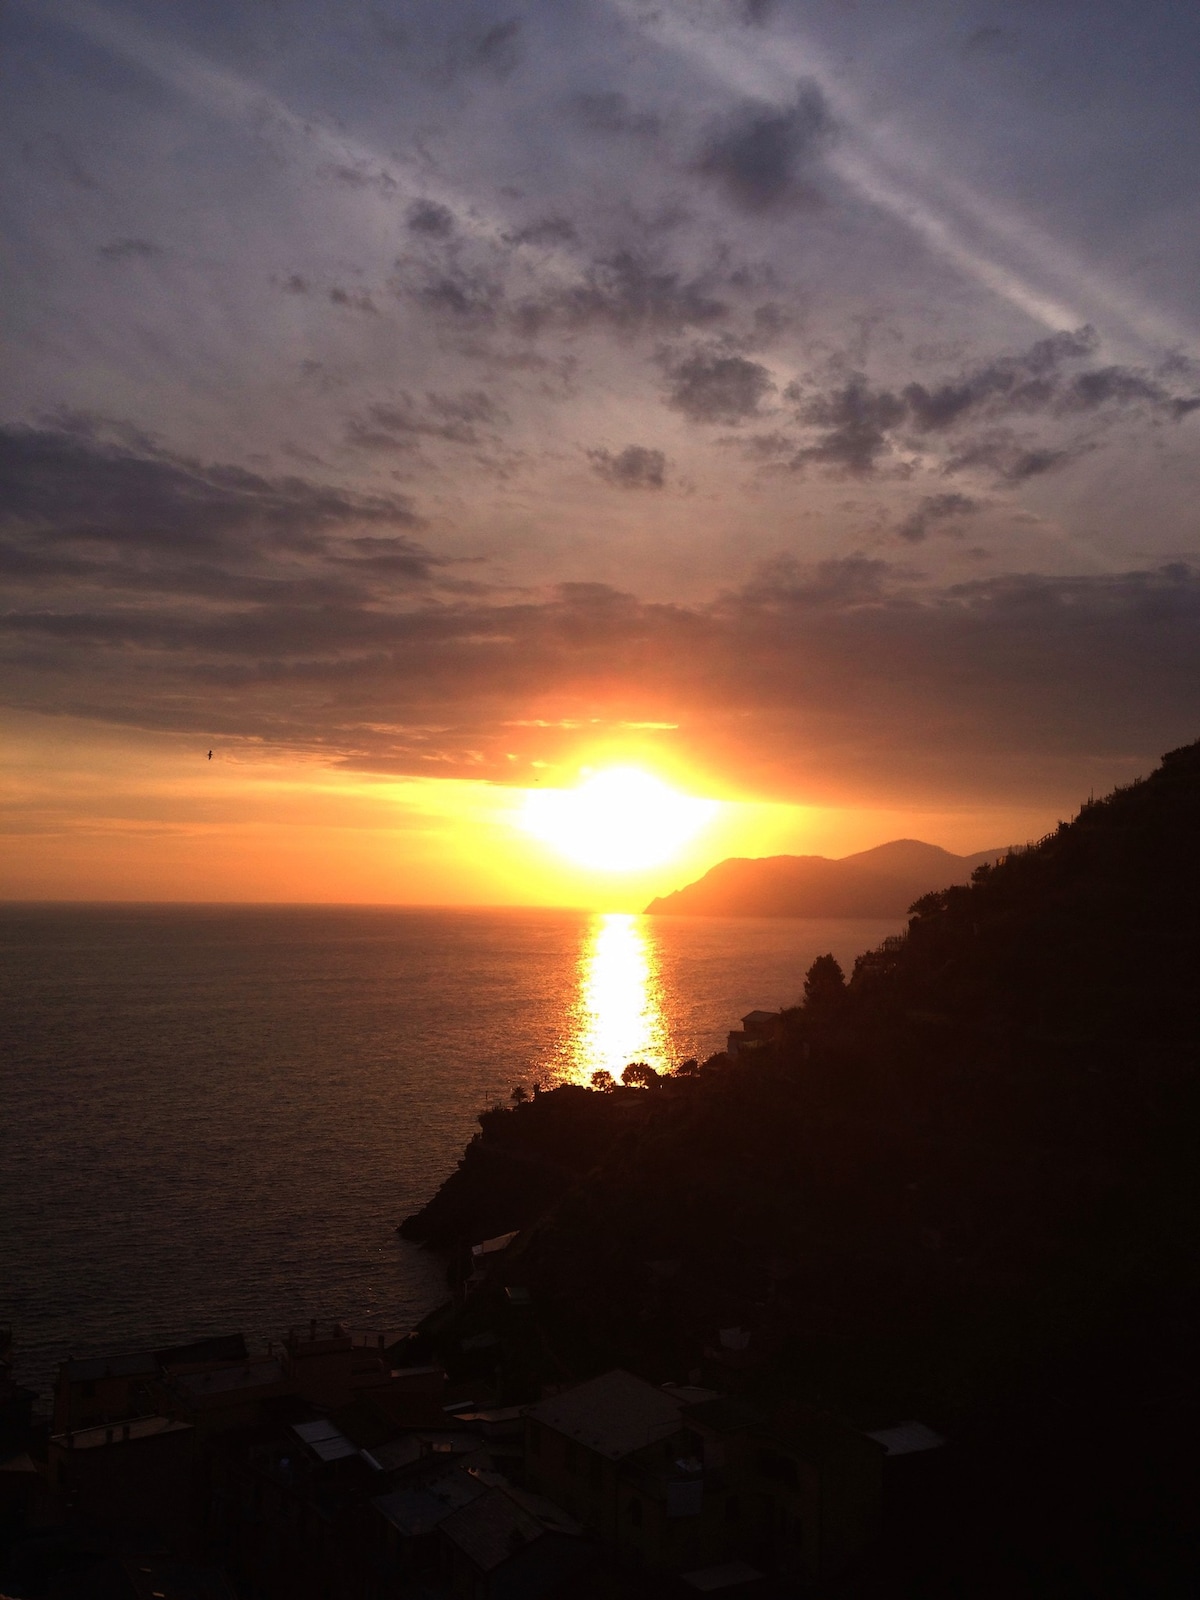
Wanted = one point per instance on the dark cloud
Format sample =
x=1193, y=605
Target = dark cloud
x=431, y=219
x=100, y=493
x=130, y=250
x=625, y=293
x=855, y=423
x=1029, y=382
x=757, y=13
x=499, y=51
x=851, y=674
x=635, y=467
x=763, y=156
x=547, y=230
x=296, y=284
x=401, y=423
x=936, y=511
x=861, y=428
x=709, y=386
x=352, y=299
x=610, y=112
x=363, y=176
x=463, y=294
x=988, y=40
x=1012, y=460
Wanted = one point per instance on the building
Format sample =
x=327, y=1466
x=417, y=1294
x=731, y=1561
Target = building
x=133, y=1477
x=759, y=1029
x=677, y=1478
x=508, y=1544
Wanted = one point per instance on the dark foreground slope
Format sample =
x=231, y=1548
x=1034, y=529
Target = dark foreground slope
x=874, y=883
x=965, y=1188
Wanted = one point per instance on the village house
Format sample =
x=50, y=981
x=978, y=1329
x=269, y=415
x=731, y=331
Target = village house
x=133, y=1477
x=759, y=1029
x=508, y=1542
x=677, y=1478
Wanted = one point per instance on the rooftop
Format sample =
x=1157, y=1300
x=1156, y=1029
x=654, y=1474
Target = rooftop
x=492, y=1529
x=413, y=1512
x=120, y=1432
x=138, y=1364
x=906, y=1438
x=225, y=1380
x=325, y=1441
x=614, y=1414
x=492, y=1247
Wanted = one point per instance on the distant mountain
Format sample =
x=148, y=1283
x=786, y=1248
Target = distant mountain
x=882, y=882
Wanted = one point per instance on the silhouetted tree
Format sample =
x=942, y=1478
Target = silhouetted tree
x=824, y=985
x=639, y=1074
x=519, y=1093
x=688, y=1068
x=603, y=1080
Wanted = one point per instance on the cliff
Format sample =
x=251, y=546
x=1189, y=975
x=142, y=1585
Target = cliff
x=961, y=1187
x=882, y=882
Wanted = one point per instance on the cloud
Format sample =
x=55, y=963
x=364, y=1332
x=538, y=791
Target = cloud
x=150, y=588
x=399, y=424
x=626, y=292
x=352, y=299
x=499, y=51
x=130, y=250
x=112, y=507
x=860, y=429
x=850, y=676
x=635, y=467
x=365, y=175
x=546, y=231
x=762, y=157
x=937, y=511
x=608, y=111
x=855, y=423
x=709, y=386
x=1012, y=460
x=430, y=218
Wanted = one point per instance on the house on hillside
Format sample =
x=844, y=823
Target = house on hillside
x=759, y=1029
x=680, y=1479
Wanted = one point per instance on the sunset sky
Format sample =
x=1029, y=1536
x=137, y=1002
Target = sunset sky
x=420, y=404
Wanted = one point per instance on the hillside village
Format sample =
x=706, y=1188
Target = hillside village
x=319, y=1468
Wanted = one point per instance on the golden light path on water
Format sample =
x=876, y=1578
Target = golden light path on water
x=618, y=1016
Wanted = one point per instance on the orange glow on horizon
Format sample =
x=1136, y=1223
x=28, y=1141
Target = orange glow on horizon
x=107, y=813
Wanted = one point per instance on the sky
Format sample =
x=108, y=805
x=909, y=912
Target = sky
x=421, y=404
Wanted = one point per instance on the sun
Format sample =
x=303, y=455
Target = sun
x=618, y=820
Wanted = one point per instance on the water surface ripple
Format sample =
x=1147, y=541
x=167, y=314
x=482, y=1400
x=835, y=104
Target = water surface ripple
x=214, y=1117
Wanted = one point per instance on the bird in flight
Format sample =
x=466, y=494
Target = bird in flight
x=210, y=755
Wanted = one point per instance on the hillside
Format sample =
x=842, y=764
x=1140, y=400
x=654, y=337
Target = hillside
x=962, y=1187
x=882, y=882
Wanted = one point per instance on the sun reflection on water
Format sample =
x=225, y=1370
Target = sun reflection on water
x=618, y=1017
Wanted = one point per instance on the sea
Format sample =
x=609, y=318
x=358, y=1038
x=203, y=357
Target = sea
x=214, y=1117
